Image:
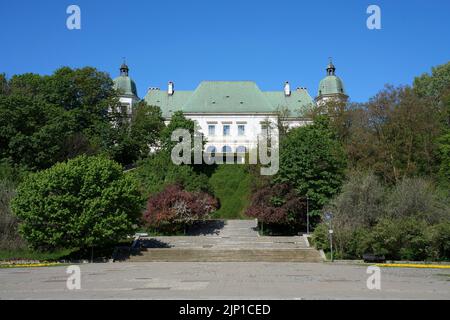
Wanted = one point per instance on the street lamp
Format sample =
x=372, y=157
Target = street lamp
x=307, y=214
x=329, y=218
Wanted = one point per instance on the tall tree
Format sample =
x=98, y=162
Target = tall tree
x=132, y=139
x=46, y=119
x=313, y=162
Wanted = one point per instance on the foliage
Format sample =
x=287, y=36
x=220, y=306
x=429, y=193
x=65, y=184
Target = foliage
x=440, y=241
x=357, y=207
x=433, y=85
x=177, y=121
x=394, y=134
x=399, y=222
x=416, y=198
x=312, y=161
x=27, y=254
x=320, y=237
x=9, y=238
x=175, y=205
x=360, y=202
x=230, y=183
x=399, y=239
x=32, y=132
x=444, y=155
x=10, y=176
x=158, y=171
x=84, y=202
x=278, y=204
x=133, y=139
x=48, y=119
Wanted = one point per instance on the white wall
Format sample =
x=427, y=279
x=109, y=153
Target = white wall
x=252, y=124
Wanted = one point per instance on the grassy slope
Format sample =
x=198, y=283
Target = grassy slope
x=231, y=184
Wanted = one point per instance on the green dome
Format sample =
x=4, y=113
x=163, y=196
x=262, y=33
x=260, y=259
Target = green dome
x=331, y=85
x=125, y=85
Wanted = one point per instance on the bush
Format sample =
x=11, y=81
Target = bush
x=360, y=203
x=9, y=237
x=83, y=202
x=400, y=239
x=416, y=197
x=177, y=206
x=9, y=178
x=440, y=241
x=158, y=171
x=320, y=237
x=404, y=222
x=278, y=204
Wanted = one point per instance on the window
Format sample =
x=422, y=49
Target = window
x=226, y=129
x=240, y=154
x=227, y=149
x=211, y=130
x=124, y=109
x=211, y=150
x=241, y=130
x=241, y=149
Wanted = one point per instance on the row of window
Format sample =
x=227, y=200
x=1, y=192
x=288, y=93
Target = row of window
x=226, y=149
x=226, y=130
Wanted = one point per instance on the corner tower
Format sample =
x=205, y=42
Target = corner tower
x=331, y=88
x=126, y=89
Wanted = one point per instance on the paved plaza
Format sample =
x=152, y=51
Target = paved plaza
x=229, y=280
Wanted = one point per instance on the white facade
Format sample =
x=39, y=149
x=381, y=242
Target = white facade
x=236, y=133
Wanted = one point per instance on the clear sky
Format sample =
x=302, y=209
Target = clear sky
x=269, y=42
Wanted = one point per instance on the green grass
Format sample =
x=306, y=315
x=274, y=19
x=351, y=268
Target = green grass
x=33, y=255
x=231, y=184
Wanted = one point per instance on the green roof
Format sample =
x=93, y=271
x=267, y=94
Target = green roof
x=229, y=97
x=331, y=85
x=125, y=85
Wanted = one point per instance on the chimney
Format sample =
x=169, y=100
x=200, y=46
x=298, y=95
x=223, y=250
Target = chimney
x=170, y=89
x=287, y=89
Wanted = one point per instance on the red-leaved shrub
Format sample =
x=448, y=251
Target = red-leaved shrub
x=175, y=205
x=277, y=204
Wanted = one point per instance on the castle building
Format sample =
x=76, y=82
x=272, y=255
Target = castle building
x=231, y=114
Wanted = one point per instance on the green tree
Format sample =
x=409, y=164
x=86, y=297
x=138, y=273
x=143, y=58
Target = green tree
x=158, y=171
x=47, y=119
x=440, y=241
x=313, y=162
x=84, y=202
x=32, y=132
x=394, y=134
x=3, y=84
x=435, y=84
x=399, y=239
x=416, y=198
x=177, y=121
x=133, y=139
x=444, y=155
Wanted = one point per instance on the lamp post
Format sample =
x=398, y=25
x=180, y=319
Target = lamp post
x=307, y=214
x=329, y=218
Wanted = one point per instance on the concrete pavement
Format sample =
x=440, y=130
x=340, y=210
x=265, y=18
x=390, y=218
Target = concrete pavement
x=230, y=280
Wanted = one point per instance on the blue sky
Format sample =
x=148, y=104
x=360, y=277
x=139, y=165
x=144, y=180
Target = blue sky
x=268, y=42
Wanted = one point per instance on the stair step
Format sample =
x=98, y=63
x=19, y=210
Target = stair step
x=227, y=255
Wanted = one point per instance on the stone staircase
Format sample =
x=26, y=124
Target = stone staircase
x=226, y=241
